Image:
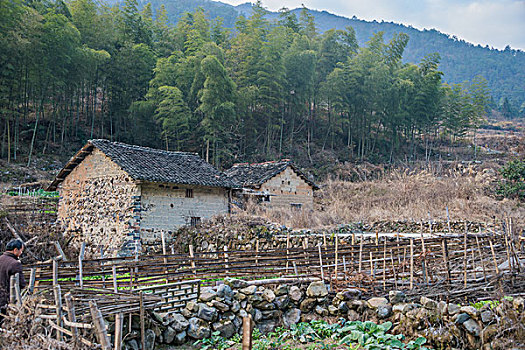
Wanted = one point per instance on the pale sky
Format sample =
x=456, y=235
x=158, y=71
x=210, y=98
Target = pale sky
x=496, y=23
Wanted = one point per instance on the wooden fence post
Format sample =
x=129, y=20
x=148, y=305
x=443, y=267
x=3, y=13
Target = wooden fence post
x=411, y=263
x=12, y=290
x=142, y=321
x=18, y=295
x=55, y=272
x=32, y=278
x=119, y=323
x=80, y=260
x=321, y=264
x=58, y=304
x=72, y=317
x=247, y=333
x=100, y=326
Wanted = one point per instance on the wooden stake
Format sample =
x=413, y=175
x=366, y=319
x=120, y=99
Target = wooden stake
x=247, y=333
x=190, y=247
x=295, y=268
x=360, y=255
x=384, y=265
x=372, y=272
x=115, y=282
x=353, y=238
x=324, y=239
x=18, y=295
x=142, y=320
x=336, y=252
x=100, y=326
x=55, y=272
x=321, y=263
x=58, y=303
x=119, y=324
x=377, y=238
x=448, y=221
x=226, y=266
x=344, y=267
x=12, y=290
x=481, y=257
x=393, y=268
x=287, y=247
x=445, y=258
x=80, y=259
x=465, y=259
x=494, y=257
x=71, y=316
x=257, y=253
x=411, y=263
x=32, y=278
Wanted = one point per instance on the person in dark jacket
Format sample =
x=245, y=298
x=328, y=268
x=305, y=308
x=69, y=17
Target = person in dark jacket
x=10, y=266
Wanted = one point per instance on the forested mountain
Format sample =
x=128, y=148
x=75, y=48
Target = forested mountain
x=460, y=60
x=268, y=89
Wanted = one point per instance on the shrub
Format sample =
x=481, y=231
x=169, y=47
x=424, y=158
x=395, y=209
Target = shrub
x=513, y=183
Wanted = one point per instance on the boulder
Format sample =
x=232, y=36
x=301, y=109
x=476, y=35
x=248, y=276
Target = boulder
x=343, y=307
x=207, y=294
x=333, y=310
x=453, y=309
x=236, y=306
x=374, y=303
x=235, y=283
x=149, y=339
x=321, y=311
x=169, y=335
x=271, y=314
x=396, y=297
x=519, y=304
x=317, y=290
x=290, y=317
x=226, y=328
x=249, y=290
x=428, y=303
x=281, y=290
x=352, y=315
x=462, y=318
x=282, y=301
x=224, y=290
x=198, y=329
x=206, y=313
x=268, y=295
x=256, y=315
x=295, y=294
x=487, y=316
x=472, y=327
x=220, y=306
x=384, y=311
x=180, y=338
x=351, y=294
x=192, y=306
x=469, y=310
x=266, y=326
x=179, y=323
x=307, y=304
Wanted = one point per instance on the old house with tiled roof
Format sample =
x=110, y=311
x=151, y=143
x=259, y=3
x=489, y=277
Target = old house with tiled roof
x=115, y=194
x=275, y=184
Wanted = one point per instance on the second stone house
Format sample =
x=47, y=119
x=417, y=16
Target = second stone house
x=118, y=195
x=274, y=184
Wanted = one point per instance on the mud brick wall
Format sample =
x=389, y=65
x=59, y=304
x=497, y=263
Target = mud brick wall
x=288, y=188
x=165, y=207
x=99, y=203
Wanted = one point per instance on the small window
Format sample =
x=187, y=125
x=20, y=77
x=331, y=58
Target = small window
x=195, y=221
x=189, y=193
x=296, y=205
x=266, y=198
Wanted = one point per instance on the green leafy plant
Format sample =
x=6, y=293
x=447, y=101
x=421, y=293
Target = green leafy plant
x=214, y=342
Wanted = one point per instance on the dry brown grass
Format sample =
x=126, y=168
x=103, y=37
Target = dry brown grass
x=405, y=195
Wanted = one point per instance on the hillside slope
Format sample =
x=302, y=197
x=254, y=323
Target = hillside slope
x=460, y=60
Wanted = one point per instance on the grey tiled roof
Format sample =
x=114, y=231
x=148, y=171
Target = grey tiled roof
x=255, y=174
x=152, y=165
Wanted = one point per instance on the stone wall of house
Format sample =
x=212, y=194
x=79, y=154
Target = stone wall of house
x=444, y=325
x=167, y=207
x=99, y=203
x=287, y=189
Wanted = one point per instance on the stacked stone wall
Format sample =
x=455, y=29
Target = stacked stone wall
x=444, y=325
x=99, y=203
